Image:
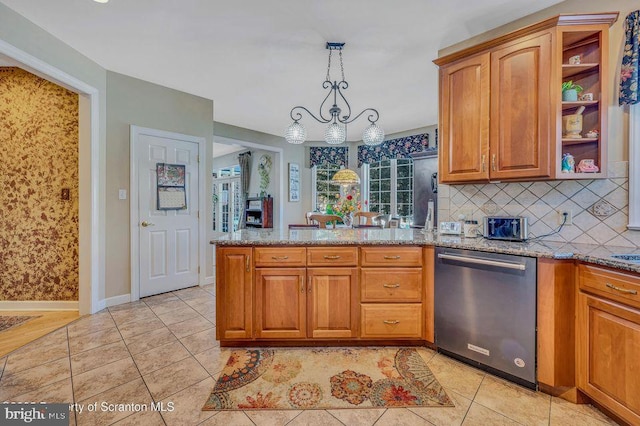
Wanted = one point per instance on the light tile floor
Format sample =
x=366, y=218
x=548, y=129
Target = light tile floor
x=162, y=349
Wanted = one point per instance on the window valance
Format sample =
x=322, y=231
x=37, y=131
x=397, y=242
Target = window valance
x=323, y=155
x=393, y=148
x=629, y=91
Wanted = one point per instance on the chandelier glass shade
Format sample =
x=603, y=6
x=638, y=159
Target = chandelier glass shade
x=335, y=134
x=336, y=116
x=296, y=133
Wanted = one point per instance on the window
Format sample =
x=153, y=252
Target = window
x=324, y=192
x=389, y=188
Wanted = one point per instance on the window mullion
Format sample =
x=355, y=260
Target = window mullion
x=365, y=186
x=394, y=187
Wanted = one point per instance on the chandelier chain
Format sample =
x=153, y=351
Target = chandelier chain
x=328, y=78
x=341, y=65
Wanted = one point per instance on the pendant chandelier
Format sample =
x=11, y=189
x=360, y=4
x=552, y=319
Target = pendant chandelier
x=336, y=132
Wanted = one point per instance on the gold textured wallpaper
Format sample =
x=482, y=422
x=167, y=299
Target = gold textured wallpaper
x=39, y=152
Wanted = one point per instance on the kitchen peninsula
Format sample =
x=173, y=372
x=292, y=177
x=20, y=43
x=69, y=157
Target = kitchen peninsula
x=376, y=287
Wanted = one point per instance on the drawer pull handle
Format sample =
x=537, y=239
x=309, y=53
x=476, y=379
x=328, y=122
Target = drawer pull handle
x=301, y=284
x=247, y=263
x=390, y=285
x=334, y=257
x=279, y=257
x=391, y=322
x=622, y=290
x=392, y=257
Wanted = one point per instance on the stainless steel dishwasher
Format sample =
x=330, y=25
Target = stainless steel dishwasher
x=485, y=311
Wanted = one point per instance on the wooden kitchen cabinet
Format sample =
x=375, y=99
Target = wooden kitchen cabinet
x=281, y=295
x=500, y=102
x=520, y=127
x=234, y=305
x=333, y=302
x=298, y=302
x=608, y=340
x=392, y=296
x=495, y=114
x=464, y=120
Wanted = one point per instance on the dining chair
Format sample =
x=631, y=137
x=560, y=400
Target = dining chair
x=323, y=219
x=367, y=215
x=303, y=226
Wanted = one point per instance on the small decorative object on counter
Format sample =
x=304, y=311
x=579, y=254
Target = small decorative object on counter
x=586, y=97
x=568, y=163
x=574, y=60
x=471, y=229
x=588, y=166
x=592, y=134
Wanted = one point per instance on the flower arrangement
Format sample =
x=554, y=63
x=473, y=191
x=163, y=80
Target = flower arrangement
x=347, y=204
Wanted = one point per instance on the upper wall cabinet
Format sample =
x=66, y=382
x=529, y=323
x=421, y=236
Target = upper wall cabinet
x=502, y=117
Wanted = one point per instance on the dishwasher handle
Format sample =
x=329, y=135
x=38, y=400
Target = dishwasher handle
x=480, y=261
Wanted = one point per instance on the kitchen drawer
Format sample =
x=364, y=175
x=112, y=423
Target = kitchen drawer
x=339, y=256
x=391, y=284
x=391, y=256
x=618, y=286
x=384, y=320
x=280, y=256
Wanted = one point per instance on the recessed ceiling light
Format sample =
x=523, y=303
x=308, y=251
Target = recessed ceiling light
x=101, y=1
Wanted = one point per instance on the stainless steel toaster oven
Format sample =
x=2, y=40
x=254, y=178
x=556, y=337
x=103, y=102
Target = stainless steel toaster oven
x=511, y=228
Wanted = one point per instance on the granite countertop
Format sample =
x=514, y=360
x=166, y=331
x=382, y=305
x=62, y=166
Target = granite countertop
x=597, y=254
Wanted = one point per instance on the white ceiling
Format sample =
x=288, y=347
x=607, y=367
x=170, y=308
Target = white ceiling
x=257, y=59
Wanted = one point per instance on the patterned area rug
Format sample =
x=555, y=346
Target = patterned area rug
x=7, y=322
x=325, y=378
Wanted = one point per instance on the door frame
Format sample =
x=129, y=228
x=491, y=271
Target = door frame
x=135, y=133
x=91, y=176
x=279, y=152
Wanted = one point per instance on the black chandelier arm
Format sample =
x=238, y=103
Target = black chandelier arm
x=298, y=115
x=373, y=117
x=331, y=86
x=343, y=85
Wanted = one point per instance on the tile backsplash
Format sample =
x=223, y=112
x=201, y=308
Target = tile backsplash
x=599, y=206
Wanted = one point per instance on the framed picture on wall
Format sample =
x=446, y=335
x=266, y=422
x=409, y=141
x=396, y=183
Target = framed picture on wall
x=294, y=182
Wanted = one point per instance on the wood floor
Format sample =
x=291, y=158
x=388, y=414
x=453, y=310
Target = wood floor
x=31, y=330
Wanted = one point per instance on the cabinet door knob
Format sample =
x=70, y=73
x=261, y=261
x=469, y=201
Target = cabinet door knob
x=301, y=284
x=391, y=322
x=247, y=262
x=391, y=285
x=493, y=162
x=621, y=290
x=484, y=163
x=392, y=257
x=332, y=257
x=279, y=257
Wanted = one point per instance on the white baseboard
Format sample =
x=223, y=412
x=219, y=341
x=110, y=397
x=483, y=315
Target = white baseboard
x=210, y=280
x=113, y=301
x=38, y=305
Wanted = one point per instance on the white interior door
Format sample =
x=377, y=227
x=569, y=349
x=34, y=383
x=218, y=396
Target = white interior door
x=168, y=239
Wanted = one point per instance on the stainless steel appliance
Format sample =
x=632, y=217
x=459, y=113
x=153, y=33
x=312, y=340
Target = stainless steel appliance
x=425, y=185
x=512, y=228
x=485, y=311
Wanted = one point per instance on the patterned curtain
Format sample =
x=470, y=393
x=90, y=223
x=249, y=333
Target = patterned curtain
x=323, y=155
x=629, y=94
x=244, y=160
x=394, y=148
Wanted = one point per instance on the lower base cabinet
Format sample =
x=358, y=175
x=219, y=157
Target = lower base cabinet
x=298, y=303
x=391, y=320
x=608, y=340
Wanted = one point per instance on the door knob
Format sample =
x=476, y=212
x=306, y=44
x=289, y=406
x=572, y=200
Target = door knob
x=145, y=224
